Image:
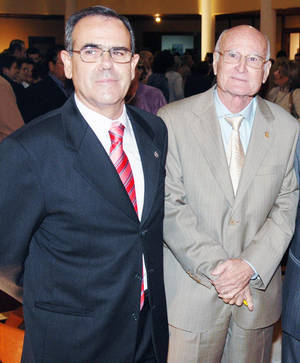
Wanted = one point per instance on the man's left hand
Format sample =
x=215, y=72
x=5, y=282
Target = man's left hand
x=233, y=275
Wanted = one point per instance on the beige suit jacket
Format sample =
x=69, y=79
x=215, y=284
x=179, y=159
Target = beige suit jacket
x=10, y=117
x=205, y=224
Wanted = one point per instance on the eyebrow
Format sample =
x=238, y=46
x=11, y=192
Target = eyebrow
x=93, y=45
x=233, y=50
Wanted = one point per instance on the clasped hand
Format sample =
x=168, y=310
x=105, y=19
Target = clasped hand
x=232, y=282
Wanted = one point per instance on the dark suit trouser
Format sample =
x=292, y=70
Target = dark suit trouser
x=290, y=349
x=144, y=352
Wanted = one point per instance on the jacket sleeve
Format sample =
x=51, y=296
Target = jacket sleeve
x=21, y=211
x=182, y=233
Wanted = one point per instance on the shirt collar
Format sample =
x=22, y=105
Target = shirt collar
x=222, y=111
x=94, y=118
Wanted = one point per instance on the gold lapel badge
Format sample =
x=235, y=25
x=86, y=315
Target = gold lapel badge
x=266, y=134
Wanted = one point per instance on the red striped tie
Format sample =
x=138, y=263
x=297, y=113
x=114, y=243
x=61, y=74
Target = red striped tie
x=122, y=165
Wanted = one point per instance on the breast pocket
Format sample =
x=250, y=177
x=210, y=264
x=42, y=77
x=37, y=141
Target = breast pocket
x=270, y=170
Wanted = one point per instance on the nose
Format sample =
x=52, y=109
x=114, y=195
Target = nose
x=105, y=60
x=242, y=64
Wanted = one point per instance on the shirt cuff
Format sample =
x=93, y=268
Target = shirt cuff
x=255, y=274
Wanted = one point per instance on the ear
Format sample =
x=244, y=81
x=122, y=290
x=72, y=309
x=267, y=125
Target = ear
x=67, y=61
x=216, y=57
x=267, y=68
x=134, y=62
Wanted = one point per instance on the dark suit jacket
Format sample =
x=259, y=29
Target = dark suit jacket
x=71, y=237
x=41, y=98
x=291, y=285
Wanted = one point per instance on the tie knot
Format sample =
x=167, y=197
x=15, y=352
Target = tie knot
x=235, y=121
x=116, y=132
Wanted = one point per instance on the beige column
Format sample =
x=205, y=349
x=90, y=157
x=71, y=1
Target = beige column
x=268, y=23
x=207, y=28
x=70, y=8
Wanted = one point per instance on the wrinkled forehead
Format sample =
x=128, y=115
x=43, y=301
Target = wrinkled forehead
x=98, y=29
x=247, y=40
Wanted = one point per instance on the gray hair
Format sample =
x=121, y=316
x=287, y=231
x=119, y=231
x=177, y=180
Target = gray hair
x=95, y=11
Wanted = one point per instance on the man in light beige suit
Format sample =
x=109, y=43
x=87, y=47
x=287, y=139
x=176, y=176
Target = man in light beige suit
x=224, y=240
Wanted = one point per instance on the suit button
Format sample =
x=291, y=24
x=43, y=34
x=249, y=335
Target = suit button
x=144, y=232
x=134, y=316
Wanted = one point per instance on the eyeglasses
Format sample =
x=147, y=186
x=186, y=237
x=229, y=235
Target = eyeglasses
x=92, y=54
x=252, y=60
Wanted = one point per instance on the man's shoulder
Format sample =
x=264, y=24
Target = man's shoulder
x=49, y=125
x=278, y=113
x=5, y=88
x=4, y=83
x=146, y=118
x=196, y=103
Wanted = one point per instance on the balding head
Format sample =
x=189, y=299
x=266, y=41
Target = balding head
x=241, y=64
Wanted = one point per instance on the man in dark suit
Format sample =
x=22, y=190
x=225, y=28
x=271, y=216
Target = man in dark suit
x=50, y=93
x=291, y=291
x=87, y=253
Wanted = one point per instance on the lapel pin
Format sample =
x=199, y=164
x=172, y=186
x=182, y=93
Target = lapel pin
x=156, y=154
x=266, y=134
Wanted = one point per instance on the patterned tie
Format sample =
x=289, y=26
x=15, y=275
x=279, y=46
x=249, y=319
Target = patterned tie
x=122, y=165
x=235, y=156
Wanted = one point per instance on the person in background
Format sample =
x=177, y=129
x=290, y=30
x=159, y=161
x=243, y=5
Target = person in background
x=175, y=81
x=291, y=102
x=278, y=87
x=17, y=48
x=147, y=58
x=24, y=76
x=10, y=117
x=157, y=78
x=199, y=80
x=287, y=92
x=81, y=210
x=34, y=54
x=10, y=71
x=141, y=95
x=186, y=66
x=50, y=93
x=230, y=209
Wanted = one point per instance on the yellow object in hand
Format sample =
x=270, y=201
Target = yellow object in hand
x=245, y=302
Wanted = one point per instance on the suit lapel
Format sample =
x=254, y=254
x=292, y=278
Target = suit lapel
x=92, y=162
x=150, y=156
x=206, y=128
x=261, y=139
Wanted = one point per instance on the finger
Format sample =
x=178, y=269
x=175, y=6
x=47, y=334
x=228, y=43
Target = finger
x=229, y=294
x=232, y=301
x=249, y=299
x=239, y=300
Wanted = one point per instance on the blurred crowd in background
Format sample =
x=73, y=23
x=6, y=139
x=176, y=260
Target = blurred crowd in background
x=40, y=85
